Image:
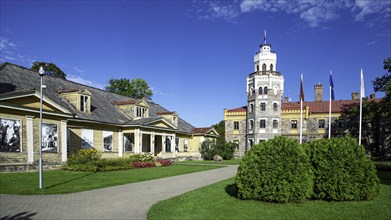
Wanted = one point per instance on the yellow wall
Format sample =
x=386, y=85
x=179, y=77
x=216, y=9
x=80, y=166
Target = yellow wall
x=32, y=102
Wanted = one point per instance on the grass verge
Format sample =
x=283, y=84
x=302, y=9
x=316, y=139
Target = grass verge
x=60, y=181
x=224, y=162
x=218, y=201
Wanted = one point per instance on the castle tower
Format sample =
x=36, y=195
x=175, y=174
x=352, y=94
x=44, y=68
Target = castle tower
x=265, y=89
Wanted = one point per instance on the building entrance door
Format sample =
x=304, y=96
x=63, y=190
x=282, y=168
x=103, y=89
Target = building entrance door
x=158, y=144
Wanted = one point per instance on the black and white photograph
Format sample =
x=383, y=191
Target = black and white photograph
x=87, y=138
x=107, y=141
x=10, y=135
x=49, y=137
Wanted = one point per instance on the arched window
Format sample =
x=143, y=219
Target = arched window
x=275, y=107
x=264, y=67
x=271, y=67
x=260, y=90
x=257, y=68
x=265, y=90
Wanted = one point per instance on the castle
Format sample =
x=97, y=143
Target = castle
x=268, y=113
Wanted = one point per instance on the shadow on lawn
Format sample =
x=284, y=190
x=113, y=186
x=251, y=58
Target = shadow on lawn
x=68, y=181
x=20, y=216
x=385, y=177
x=232, y=190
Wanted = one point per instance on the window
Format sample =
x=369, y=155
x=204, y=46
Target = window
x=271, y=67
x=141, y=112
x=257, y=68
x=251, y=142
x=262, y=123
x=294, y=124
x=237, y=144
x=263, y=106
x=251, y=124
x=275, y=124
x=275, y=107
x=265, y=90
x=260, y=90
x=168, y=144
x=264, y=67
x=236, y=125
x=321, y=123
x=251, y=108
x=84, y=103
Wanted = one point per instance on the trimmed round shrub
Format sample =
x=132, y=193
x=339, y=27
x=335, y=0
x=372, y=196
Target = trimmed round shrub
x=277, y=170
x=342, y=172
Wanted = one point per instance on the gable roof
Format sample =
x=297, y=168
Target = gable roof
x=15, y=78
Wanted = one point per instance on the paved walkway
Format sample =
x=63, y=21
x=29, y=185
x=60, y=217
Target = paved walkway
x=130, y=201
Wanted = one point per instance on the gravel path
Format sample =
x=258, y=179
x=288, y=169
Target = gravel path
x=130, y=201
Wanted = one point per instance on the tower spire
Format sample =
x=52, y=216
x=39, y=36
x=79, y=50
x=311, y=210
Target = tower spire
x=264, y=37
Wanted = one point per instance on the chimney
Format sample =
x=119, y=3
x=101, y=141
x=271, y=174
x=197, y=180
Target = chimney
x=318, y=92
x=372, y=96
x=354, y=95
x=286, y=99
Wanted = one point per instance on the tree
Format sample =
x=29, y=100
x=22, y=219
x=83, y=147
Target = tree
x=137, y=88
x=376, y=127
x=50, y=69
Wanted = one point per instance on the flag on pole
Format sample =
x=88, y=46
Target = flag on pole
x=332, y=86
x=301, y=89
x=362, y=95
x=362, y=92
x=331, y=98
x=301, y=108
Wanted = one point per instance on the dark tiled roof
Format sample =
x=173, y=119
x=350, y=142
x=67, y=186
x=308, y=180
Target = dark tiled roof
x=240, y=109
x=321, y=107
x=201, y=130
x=15, y=78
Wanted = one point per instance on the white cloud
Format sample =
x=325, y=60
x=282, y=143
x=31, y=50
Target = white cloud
x=314, y=12
x=78, y=70
x=79, y=79
x=158, y=92
x=371, y=42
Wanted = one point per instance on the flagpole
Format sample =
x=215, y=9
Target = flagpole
x=361, y=96
x=301, y=109
x=330, y=109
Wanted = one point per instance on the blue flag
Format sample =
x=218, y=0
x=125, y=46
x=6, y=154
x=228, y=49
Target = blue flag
x=332, y=87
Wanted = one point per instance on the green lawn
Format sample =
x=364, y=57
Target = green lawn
x=218, y=201
x=224, y=162
x=60, y=181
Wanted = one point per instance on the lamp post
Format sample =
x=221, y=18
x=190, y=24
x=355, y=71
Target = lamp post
x=41, y=73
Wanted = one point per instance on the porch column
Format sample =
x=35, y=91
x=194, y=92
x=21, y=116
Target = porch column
x=64, y=141
x=137, y=140
x=173, y=143
x=120, y=143
x=30, y=138
x=152, y=142
x=164, y=143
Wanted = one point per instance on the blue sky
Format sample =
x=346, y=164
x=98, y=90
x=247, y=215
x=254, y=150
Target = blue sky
x=196, y=55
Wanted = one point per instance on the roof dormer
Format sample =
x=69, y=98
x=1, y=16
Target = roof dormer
x=79, y=98
x=171, y=117
x=134, y=109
